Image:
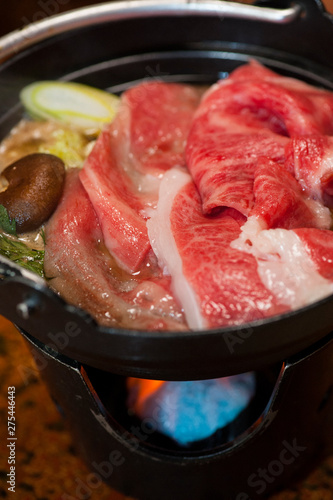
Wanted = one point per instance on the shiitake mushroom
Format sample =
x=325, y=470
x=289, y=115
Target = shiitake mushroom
x=35, y=185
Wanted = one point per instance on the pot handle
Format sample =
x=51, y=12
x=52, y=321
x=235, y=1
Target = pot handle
x=307, y=6
x=86, y=16
x=274, y=11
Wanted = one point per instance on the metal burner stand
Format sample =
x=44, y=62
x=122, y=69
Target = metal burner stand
x=290, y=434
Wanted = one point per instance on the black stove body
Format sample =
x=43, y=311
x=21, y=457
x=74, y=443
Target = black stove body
x=286, y=429
x=289, y=423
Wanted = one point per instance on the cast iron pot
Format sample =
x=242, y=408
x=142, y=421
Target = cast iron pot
x=112, y=46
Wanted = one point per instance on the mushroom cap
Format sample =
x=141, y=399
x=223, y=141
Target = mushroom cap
x=35, y=185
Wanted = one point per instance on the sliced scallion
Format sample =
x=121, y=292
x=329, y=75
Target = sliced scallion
x=69, y=102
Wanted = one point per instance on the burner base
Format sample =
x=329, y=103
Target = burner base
x=293, y=430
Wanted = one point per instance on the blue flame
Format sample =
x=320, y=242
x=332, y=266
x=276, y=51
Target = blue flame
x=190, y=411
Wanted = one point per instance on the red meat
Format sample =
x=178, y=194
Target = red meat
x=216, y=284
x=81, y=269
x=280, y=202
x=147, y=137
x=242, y=118
x=160, y=116
x=311, y=160
x=117, y=204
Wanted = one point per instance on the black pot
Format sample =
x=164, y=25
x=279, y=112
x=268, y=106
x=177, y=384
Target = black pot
x=111, y=46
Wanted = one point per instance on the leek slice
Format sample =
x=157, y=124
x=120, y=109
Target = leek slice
x=71, y=103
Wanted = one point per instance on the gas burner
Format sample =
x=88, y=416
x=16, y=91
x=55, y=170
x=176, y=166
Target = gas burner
x=287, y=423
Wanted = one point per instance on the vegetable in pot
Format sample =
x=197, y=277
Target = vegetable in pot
x=17, y=251
x=35, y=185
x=68, y=145
x=72, y=103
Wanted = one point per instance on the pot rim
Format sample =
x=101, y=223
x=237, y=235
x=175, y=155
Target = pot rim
x=30, y=34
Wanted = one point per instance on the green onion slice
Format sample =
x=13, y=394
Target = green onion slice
x=69, y=102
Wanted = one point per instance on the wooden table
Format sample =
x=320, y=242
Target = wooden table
x=47, y=467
